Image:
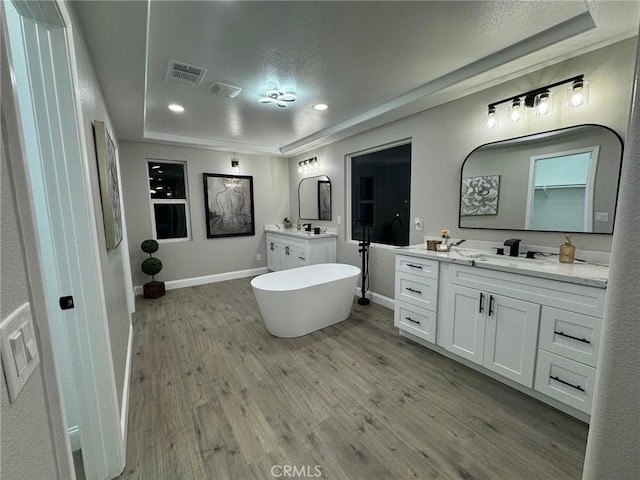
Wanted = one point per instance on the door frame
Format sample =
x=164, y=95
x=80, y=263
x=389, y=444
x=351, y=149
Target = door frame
x=102, y=437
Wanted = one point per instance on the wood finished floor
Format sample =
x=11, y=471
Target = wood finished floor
x=214, y=396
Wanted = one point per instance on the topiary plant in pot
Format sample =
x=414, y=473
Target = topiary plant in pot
x=152, y=266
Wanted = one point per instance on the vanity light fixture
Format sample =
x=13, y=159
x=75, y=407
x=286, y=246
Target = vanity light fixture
x=578, y=94
x=541, y=100
x=310, y=165
x=492, y=121
x=515, y=114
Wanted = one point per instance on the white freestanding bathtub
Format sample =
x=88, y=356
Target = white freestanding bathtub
x=302, y=300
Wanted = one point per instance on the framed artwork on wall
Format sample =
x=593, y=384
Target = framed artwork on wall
x=228, y=205
x=479, y=195
x=107, y=159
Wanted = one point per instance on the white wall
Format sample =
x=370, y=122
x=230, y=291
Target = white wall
x=114, y=263
x=442, y=138
x=24, y=425
x=201, y=256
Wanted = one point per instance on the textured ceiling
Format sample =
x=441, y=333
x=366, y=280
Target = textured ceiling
x=369, y=61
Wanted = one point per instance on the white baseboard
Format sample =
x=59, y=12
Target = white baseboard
x=74, y=438
x=218, y=277
x=124, y=411
x=377, y=298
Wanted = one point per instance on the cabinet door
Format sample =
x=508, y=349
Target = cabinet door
x=511, y=338
x=289, y=257
x=464, y=324
x=274, y=255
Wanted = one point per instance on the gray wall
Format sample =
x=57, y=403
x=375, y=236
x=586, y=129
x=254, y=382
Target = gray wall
x=26, y=449
x=443, y=137
x=201, y=256
x=112, y=262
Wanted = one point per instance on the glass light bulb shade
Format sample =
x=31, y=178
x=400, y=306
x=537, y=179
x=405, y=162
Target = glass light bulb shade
x=578, y=94
x=491, y=122
x=515, y=112
x=543, y=103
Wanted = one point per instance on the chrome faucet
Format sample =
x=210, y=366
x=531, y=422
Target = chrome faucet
x=514, y=246
x=307, y=227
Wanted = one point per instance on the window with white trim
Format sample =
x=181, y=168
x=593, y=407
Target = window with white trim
x=169, y=200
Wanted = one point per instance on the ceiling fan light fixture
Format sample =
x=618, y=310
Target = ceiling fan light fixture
x=280, y=98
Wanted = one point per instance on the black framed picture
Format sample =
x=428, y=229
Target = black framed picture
x=228, y=205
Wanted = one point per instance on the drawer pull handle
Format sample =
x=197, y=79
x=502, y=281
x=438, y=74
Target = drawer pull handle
x=562, y=334
x=481, y=303
x=286, y=249
x=411, y=265
x=412, y=320
x=414, y=291
x=490, y=305
x=577, y=387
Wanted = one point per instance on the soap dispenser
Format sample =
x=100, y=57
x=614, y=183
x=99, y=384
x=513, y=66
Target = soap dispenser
x=567, y=251
x=298, y=225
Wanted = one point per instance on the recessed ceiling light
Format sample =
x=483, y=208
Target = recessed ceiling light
x=321, y=106
x=174, y=107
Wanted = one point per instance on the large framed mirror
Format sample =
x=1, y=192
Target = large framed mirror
x=314, y=198
x=559, y=181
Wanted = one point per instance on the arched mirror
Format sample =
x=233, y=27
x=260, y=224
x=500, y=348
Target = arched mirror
x=565, y=180
x=314, y=198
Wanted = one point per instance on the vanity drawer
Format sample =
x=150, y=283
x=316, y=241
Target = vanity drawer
x=571, y=335
x=565, y=380
x=415, y=320
x=419, y=291
x=423, y=267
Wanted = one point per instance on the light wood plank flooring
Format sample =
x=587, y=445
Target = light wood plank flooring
x=214, y=396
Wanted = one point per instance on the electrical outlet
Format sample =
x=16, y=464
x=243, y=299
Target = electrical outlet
x=602, y=217
x=258, y=257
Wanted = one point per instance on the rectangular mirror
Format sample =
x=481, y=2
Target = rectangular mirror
x=560, y=181
x=314, y=198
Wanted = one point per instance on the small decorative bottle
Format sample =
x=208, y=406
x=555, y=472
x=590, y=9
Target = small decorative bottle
x=567, y=251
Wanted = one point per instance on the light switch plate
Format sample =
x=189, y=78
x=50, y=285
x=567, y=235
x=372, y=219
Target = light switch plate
x=602, y=217
x=18, y=349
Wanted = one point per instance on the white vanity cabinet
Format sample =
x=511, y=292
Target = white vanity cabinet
x=537, y=333
x=285, y=251
x=416, y=293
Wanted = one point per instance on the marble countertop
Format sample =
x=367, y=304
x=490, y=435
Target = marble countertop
x=583, y=273
x=293, y=232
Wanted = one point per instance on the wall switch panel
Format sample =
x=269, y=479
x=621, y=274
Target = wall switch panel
x=18, y=349
x=602, y=217
x=339, y=220
x=418, y=223
x=258, y=257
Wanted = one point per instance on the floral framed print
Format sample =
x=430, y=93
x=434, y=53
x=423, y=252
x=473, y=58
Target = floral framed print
x=479, y=195
x=228, y=203
x=107, y=158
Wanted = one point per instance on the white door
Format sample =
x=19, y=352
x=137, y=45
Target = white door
x=60, y=197
x=464, y=326
x=511, y=338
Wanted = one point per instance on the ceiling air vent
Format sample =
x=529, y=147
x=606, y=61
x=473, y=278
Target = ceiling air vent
x=180, y=72
x=225, y=90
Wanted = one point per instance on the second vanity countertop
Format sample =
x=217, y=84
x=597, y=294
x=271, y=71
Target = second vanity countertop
x=582, y=273
x=293, y=232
